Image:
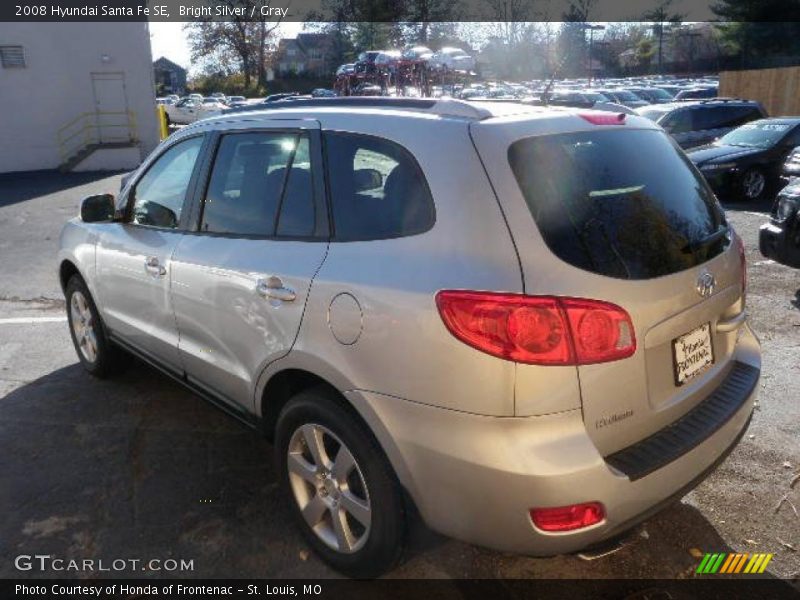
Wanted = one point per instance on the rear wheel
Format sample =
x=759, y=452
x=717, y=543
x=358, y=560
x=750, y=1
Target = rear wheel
x=96, y=353
x=341, y=489
x=753, y=185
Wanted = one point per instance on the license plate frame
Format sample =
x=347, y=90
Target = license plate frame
x=702, y=335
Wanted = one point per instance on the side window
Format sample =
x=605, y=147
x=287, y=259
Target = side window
x=712, y=117
x=247, y=184
x=159, y=195
x=377, y=189
x=678, y=122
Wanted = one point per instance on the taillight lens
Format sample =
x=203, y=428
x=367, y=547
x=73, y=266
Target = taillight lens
x=568, y=518
x=743, y=264
x=603, y=118
x=542, y=330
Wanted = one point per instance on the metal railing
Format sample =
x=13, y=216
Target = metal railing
x=98, y=127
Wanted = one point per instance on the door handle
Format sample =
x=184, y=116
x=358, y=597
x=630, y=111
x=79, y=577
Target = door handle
x=272, y=288
x=154, y=267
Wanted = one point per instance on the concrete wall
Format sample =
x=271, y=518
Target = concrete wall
x=56, y=85
x=777, y=89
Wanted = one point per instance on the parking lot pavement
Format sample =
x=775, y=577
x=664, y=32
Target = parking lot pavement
x=137, y=467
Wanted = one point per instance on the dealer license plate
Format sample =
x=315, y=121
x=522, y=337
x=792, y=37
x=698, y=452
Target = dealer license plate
x=692, y=353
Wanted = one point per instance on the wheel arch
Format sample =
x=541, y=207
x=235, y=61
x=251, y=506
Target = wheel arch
x=280, y=383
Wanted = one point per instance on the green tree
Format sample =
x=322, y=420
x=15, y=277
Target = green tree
x=749, y=28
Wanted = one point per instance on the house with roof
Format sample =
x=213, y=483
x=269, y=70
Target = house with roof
x=170, y=78
x=308, y=53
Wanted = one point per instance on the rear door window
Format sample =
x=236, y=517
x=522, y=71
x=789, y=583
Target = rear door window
x=624, y=204
x=377, y=189
x=256, y=176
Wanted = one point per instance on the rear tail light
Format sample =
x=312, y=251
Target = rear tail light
x=743, y=264
x=542, y=330
x=568, y=518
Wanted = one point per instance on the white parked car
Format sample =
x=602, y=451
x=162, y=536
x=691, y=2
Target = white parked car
x=188, y=110
x=454, y=59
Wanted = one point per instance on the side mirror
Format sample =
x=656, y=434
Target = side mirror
x=367, y=179
x=97, y=208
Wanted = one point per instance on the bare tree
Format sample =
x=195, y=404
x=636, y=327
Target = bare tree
x=661, y=17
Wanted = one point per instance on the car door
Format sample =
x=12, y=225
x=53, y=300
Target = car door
x=240, y=280
x=133, y=255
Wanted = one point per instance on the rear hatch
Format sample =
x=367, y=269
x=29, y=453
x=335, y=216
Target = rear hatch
x=617, y=213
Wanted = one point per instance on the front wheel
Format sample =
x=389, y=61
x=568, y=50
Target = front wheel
x=95, y=351
x=341, y=489
x=753, y=185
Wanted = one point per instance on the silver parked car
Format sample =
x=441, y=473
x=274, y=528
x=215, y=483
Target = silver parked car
x=527, y=323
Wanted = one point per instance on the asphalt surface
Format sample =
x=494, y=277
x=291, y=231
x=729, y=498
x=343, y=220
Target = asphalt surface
x=137, y=467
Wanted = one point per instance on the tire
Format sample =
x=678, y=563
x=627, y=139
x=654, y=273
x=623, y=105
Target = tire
x=753, y=185
x=367, y=542
x=95, y=351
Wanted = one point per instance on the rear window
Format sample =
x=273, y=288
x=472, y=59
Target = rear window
x=624, y=203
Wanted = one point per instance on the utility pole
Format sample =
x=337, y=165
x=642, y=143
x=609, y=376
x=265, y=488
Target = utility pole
x=592, y=29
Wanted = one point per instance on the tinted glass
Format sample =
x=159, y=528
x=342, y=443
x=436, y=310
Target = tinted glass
x=247, y=180
x=718, y=117
x=678, y=122
x=624, y=204
x=297, y=214
x=159, y=195
x=377, y=189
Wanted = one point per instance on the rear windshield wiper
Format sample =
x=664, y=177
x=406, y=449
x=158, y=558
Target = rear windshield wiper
x=706, y=241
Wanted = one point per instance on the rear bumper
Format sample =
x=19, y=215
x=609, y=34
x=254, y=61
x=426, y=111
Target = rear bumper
x=475, y=478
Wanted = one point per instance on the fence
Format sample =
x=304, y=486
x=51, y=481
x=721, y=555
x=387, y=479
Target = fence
x=777, y=89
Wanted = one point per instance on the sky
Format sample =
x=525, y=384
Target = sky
x=168, y=40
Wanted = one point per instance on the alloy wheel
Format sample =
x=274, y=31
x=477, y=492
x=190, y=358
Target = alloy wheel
x=83, y=326
x=753, y=184
x=329, y=488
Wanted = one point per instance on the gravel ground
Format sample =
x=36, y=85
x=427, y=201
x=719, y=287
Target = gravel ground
x=139, y=467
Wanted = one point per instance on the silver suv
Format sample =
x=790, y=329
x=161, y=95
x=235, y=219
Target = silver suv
x=525, y=323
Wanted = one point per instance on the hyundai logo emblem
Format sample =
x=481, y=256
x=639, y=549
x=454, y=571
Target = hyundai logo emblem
x=706, y=284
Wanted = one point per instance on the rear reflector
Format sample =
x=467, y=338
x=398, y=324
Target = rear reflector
x=541, y=330
x=743, y=264
x=603, y=118
x=568, y=518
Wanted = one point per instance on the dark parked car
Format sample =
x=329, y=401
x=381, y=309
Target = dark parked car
x=747, y=162
x=779, y=239
x=791, y=168
x=701, y=122
x=697, y=93
x=653, y=95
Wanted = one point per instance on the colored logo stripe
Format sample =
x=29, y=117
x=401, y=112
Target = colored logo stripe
x=723, y=562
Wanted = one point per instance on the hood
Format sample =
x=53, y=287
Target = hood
x=719, y=153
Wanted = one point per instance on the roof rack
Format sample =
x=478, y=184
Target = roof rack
x=446, y=107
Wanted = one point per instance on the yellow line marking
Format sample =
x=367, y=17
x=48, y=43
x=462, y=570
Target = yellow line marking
x=765, y=563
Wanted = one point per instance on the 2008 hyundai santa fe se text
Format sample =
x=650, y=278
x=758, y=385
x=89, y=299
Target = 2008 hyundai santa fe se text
x=528, y=323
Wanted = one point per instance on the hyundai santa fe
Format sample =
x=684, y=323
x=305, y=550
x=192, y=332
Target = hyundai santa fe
x=525, y=324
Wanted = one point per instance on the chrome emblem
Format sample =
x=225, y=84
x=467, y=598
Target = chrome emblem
x=706, y=284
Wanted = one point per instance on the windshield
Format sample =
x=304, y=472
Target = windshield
x=595, y=97
x=625, y=95
x=758, y=134
x=623, y=203
x=653, y=113
x=659, y=93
